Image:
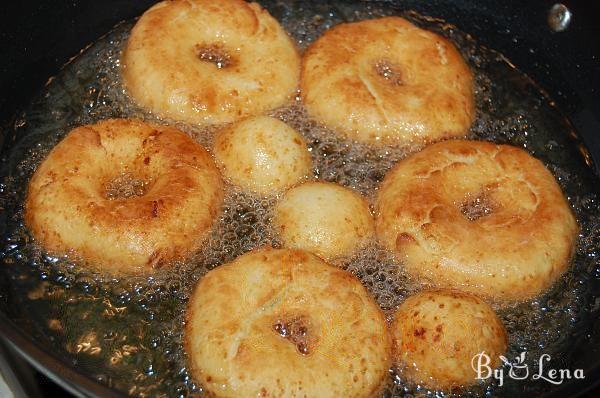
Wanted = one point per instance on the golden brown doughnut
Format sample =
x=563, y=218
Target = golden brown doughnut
x=488, y=219
x=386, y=80
x=283, y=323
x=207, y=62
x=124, y=195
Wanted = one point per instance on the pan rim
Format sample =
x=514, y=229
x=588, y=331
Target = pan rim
x=60, y=372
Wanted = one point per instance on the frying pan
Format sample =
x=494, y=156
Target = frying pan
x=37, y=38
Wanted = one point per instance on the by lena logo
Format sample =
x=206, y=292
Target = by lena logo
x=519, y=370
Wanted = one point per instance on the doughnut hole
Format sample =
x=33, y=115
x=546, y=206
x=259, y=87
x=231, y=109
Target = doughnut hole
x=297, y=330
x=437, y=333
x=388, y=71
x=324, y=218
x=216, y=54
x=263, y=155
x=125, y=186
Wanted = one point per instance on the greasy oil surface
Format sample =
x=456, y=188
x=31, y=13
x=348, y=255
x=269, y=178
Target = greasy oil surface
x=126, y=333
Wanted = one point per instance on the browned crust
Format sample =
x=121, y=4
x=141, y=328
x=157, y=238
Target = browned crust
x=514, y=253
x=163, y=72
x=225, y=283
x=67, y=212
x=439, y=325
x=429, y=98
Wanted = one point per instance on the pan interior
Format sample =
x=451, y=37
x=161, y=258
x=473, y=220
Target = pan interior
x=125, y=333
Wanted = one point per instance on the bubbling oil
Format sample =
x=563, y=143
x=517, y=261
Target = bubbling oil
x=127, y=332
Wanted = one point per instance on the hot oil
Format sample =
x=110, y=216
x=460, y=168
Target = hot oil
x=126, y=332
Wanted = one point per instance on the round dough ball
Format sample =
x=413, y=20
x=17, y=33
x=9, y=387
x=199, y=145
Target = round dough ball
x=484, y=218
x=386, y=80
x=283, y=323
x=324, y=218
x=262, y=154
x=124, y=195
x=437, y=333
x=209, y=62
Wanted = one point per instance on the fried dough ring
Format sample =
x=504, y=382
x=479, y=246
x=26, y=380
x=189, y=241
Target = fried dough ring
x=488, y=219
x=386, y=80
x=123, y=195
x=283, y=323
x=209, y=62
